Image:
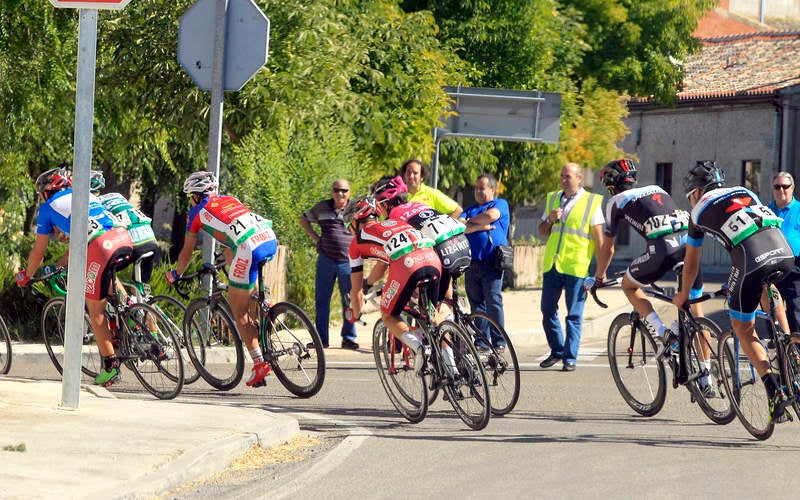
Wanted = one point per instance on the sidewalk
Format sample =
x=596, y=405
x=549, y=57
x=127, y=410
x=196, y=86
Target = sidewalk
x=122, y=448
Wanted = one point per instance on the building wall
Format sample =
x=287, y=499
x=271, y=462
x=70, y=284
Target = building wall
x=772, y=8
x=728, y=134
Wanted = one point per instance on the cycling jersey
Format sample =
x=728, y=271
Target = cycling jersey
x=231, y=223
x=56, y=211
x=107, y=239
x=750, y=232
x=446, y=232
x=134, y=220
x=652, y=213
x=410, y=256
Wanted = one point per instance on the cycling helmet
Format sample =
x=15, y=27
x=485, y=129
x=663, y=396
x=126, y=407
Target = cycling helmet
x=618, y=175
x=705, y=176
x=362, y=209
x=388, y=188
x=54, y=179
x=200, y=182
x=96, y=181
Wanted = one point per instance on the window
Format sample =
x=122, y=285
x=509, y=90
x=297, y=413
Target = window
x=751, y=171
x=664, y=176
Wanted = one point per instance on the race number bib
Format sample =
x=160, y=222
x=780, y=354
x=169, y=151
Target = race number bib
x=405, y=242
x=741, y=223
x=441, y=228
x=245, y=226
x=95, y=229
x=659, y=225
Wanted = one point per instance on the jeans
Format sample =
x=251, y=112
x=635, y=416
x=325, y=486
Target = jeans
x=553, y=283
x=789, y=287
x=484, y=285
x=328, y=270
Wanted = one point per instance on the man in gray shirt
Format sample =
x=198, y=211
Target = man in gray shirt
x=332, y=260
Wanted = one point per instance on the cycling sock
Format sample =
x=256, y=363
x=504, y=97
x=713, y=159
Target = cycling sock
x=654, y=324
x=410, y=339
x=449, y=360
x=706, y=379
x=771, y=383
x=110, y=362
x=257, y=355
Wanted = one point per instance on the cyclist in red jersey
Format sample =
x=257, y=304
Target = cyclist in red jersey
x=404, y=252
x=252, y=240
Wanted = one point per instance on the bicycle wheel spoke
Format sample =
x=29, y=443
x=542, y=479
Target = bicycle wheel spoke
x=154, y=350
x=213, y=344
x=640, y=377
x=173, y=312
x=706, y=385
x=468, y=390
x=53, y=332
x=295, y=350
x=499, y=362
x=394, y=362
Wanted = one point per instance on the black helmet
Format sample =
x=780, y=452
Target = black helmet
x=705, y=176
x=619, y=175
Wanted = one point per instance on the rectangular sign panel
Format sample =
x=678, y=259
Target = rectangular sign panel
x=90, y=4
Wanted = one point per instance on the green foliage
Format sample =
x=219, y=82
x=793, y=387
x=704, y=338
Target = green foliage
x=282, y=173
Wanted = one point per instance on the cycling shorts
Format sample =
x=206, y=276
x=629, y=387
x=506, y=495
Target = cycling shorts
x=754, y=259
x=404, y=275
x=243, y=272
x=100, y=252
x=147, y=263
x=662, y=255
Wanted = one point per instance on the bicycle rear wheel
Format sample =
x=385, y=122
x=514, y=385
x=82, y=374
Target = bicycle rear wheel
x=793, y=371
x=640, y=377
x=213, y=343
x=295, y=350
x=715, y=404
x=5, y=348
x=152, y=350
x=53, y=320
x=406, y=390
x=501, y=366
x=744, y=388
x=467, y=388
x=173, y=311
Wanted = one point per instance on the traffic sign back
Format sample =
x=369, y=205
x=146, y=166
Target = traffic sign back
x=90, y=4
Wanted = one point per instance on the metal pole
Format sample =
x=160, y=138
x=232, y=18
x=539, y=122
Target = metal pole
x=217, y=98
x=79, y=219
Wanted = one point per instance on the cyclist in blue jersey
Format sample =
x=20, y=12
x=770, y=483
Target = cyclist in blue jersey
x=107, y=241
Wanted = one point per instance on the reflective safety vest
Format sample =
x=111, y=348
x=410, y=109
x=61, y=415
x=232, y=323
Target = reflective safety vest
x=570, y=245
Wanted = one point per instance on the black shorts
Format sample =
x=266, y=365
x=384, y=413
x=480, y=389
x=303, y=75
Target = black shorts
x=455, y=254
x=763, y=254
x=662, y=255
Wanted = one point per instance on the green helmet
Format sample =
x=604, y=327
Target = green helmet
x=96, y=181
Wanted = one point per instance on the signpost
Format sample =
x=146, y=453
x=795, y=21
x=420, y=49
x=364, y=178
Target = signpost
x=81, y=166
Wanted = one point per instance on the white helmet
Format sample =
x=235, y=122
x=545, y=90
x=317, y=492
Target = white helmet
x=200, y=182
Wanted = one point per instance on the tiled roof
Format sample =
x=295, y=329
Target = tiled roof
x=746, y=64
x=716, y=23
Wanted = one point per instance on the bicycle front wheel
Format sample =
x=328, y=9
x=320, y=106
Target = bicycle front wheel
x=708, y=392
x=5, y=348
x=467, y=388
x=153, y=351
x=53, y=332
x=213, y=343
x=793, y=373
x=640, y=377
x=500, y=364
x=406, y=390
x=295, y=350
x=173, y=311
x=744, y=388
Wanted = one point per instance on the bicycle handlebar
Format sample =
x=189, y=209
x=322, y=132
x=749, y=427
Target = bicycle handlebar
x=604, y=284
x=207, y=268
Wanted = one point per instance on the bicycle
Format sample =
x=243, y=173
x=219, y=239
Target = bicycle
x=171, y=308
x=288, y=338
x=5, y=350
x=53, y=319
x=500, y=363
x=742, y=383
x=637, y=365
x=464, y=384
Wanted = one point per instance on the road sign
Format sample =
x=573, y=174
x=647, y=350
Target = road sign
x=90, y=4
x=246, y=42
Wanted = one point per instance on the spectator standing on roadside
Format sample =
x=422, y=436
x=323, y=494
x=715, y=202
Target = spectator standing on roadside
x=414, y=172
x=487, y=227
x=787, y=208
x=332, y=260
x=572, y=222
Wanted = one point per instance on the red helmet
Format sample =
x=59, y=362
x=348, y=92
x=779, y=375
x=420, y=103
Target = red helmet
x=619, y=175
x=389, y=188
x=362, y=209
x=54, y=179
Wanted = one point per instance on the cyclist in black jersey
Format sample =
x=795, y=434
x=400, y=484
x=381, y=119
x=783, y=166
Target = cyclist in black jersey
x=652, y=213
x=750, y=232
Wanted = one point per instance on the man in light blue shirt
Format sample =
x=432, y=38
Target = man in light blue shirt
x=787, y=208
